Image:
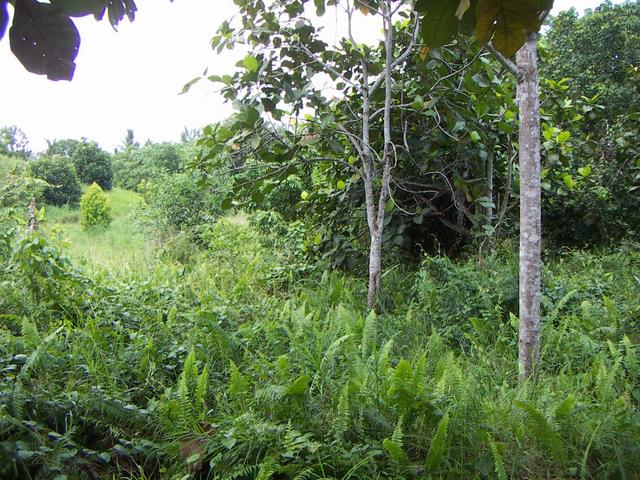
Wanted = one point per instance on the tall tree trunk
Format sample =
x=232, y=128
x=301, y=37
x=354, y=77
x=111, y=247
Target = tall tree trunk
x=530, y=208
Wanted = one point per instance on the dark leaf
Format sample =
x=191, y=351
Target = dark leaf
x=509, y=21
x=80, y=8
x=44, y=39
x=439, y=23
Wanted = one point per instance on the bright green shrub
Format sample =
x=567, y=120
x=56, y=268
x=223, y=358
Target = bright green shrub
x=64, y=187
x=95, y=208
x=93, y=165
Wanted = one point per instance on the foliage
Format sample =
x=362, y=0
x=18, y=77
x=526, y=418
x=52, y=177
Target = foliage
x=93, y=164
x=14, y=142
x=206, y=370
x=64, y=148
x=595, y=50
x=135, y=164
x=174, y=202
x=63, y=186
x=505, y=23
x=95, y=208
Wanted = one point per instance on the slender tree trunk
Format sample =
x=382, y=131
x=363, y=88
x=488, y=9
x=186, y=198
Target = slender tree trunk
x=32, y=224
x=530, y=209
x=375, y=270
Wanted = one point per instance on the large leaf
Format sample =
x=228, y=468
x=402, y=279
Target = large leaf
x=507, y=21
x=439, y=23
x=80, y=8
x=44, y=39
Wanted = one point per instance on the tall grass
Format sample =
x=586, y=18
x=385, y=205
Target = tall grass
x=123, y=247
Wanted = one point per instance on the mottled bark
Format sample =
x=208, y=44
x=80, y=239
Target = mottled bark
x=32, y=224
x=530, y=210
x=375, y=270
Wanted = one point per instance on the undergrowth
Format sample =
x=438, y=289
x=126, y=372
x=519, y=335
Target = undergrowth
x=225, y=366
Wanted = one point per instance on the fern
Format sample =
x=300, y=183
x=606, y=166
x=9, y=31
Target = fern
x=438, y=445
x=543, y=432
x=200, y=396
x=238, y=383
x=30, y=333
x=186, y=419
x=343, y=415
x=498, y=464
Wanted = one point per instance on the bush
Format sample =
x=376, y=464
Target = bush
x=93, y=165
x=175, y=202
x=64, y=187
x=95, y=208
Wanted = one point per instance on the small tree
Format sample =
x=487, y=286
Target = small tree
x=63, y=185
x=95, y=208
x=93, y=165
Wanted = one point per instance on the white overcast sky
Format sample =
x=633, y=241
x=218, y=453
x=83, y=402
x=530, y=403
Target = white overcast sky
x=131, y=78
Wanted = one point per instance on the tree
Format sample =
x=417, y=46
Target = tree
x=63, y=186
x=513, y=30
x=64, y=148
x=129, y=140
x=361, y=118
x=595, y=52
x=93, y=164
x=14, y=142
x=45, y=39
x=530, y=206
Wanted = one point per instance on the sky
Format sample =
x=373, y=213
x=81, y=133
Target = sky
x=132, y=78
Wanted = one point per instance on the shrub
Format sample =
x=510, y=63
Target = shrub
x=175, y=202
x=64, y=187
x=95, y=208
x=93, y=165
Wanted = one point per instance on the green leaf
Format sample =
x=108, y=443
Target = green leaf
x=585, y=171
x=189, y=84
x=475, y=136
x=563, y=137
x=543, y=432
x=44, y=39
x=439, y=443
x=299, y=386
x=340, y=185
x=250, y=63
x=394, y=450
x=439, y=23
x=568, y=181
x=507, y=21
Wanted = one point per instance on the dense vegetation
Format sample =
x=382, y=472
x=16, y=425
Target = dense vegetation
x=202, y=311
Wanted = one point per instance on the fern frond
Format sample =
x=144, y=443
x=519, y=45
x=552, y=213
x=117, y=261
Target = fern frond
x=438, y=445
x=343, y=416
x=200, y=396
x=30, y=333
x=543, y=432
x=498, y=464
